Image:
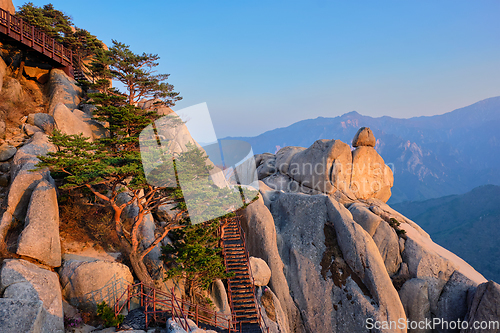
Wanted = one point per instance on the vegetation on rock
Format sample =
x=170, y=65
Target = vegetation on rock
x=59, y=26
x=112, y=165
x=195, y=255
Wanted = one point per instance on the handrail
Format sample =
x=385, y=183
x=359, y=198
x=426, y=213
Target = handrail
x=242, y=234
x=185, y=326
x=29, y=35
x=151, y=296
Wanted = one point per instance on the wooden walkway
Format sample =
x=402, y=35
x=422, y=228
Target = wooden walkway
x=241, y=290
x=15, y=28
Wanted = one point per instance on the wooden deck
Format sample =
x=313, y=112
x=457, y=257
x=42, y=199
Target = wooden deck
x=17, y=29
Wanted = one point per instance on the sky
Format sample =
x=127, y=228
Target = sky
x=261, y=65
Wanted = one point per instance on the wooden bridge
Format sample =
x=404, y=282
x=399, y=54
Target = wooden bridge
x=17, y=29
x=245, y=313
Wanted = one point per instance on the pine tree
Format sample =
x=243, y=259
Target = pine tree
x=136, y=72
x=113, y=164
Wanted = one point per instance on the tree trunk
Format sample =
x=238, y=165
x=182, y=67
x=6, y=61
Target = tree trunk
x=140, y=269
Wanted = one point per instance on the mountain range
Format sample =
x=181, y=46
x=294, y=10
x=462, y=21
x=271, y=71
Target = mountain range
x=431, y=156
x=465, y=224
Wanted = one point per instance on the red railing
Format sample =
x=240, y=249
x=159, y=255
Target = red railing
x=27, y=34
x=156, y=303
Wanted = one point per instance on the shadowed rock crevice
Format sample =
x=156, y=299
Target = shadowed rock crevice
x=333, y=265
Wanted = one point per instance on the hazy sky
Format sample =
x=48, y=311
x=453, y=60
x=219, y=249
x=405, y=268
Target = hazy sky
x=260, y=65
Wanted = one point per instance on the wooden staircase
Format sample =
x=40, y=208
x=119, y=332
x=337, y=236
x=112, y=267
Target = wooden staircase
x=241, y=289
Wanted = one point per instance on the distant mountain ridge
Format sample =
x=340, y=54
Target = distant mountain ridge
x=466, y=224
x=432, y=156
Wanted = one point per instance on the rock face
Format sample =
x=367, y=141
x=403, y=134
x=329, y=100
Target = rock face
x=325, y=256
x=261, y=237
x=329, y=167
x=41, y=120
x=62, y=89
x=370, y=177
x=271, y=310
x=415, y=298
x=8, y=6
x=87, y=283
x=6, y=152
x=69, y=123
x=484, y=308
x=364, y=137
x=20, y=315
x=25, y=283
x=344, y=269
x=24, y=180
x=40, y=237
x=260, y=271
x=12, y=89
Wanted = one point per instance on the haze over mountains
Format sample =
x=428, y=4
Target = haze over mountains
x=432, y=156
x=465, y=224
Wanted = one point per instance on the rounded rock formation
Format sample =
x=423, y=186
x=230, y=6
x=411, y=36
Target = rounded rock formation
x=364, y=137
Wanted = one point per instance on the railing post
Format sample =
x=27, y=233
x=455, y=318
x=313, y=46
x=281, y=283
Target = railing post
x=197, y=315
x=21, y=29
x=53, y=47
x=8, y=23
x=142, y=295
x=128, y=298
x=32, y=35
x=154, y=304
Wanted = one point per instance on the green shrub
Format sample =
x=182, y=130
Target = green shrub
x=106, y=313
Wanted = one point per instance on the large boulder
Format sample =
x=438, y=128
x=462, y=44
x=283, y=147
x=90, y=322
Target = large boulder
x=370, y=176
x=70, y=123
x=322, y=166
x=3, y=65
x=87, y=283
x=41, y=120
x=387, y=242
x=266, y=165
x=218, y=295
x=40, y=237
x=364, y=137
x=484, y=309
x=25, y=281
x=97, y=129
x=365, y=218
x=62, y=89
x=6, y=152
x=21, y=316
x=284, y=156
x=260, y=271
x=429, y=261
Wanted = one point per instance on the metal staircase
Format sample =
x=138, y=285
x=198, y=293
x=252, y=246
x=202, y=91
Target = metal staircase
x=241, y=290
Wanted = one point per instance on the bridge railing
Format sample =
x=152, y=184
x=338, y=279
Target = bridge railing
x=27, y=34
x=156, y=303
